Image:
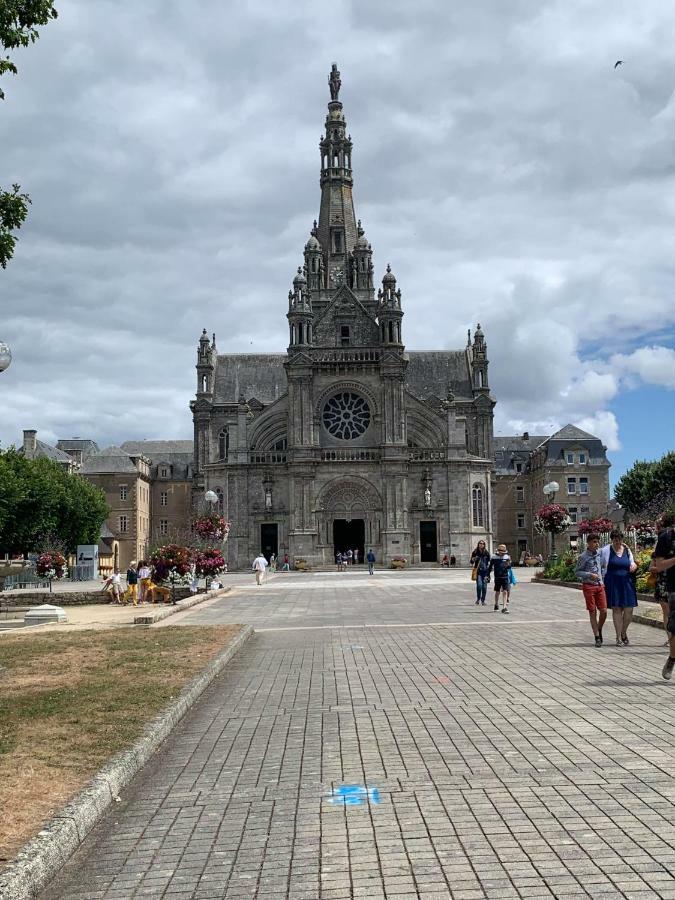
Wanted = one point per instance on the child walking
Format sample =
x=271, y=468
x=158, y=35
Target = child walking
x=500, y=564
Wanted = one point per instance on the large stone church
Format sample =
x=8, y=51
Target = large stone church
x=346, y=440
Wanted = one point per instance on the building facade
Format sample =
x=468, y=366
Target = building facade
x=345, y=440
x=574, y=459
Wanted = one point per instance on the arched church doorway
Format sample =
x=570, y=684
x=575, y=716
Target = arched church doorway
x=349, y=534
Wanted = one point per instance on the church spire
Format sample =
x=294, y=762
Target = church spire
x=336, y=231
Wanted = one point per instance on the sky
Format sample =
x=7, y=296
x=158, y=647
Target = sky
x=506, y=169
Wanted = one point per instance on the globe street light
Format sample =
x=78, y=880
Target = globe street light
x=550, y=490
x=5, y=356
x=211, y=498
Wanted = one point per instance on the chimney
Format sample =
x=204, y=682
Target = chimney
x=526, y=435
x=29, y=442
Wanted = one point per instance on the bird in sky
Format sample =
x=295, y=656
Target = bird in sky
x=618, y=63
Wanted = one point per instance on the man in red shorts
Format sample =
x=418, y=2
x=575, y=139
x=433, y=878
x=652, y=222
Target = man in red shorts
x=589, y=574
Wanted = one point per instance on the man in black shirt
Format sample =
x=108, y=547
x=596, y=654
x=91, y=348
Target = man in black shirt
x=663, y=560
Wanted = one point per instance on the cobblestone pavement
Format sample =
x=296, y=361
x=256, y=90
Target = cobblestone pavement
x=486, y=756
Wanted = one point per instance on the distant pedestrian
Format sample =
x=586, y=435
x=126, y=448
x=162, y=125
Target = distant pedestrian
x=259, y=566
x=287, y=564
x=356, y=556
x=663, y=560
x=453, y=560
x=132, y=584
x=370, y=557
x=618, y=566
x=194, y=580
x=480, y=564
x=144, y=579
x=500, y=563
x=349, y=556
x=589, y=573
x=273, y=563
x=445, y=562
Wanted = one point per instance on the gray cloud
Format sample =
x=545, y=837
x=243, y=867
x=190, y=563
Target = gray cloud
x=502, y=166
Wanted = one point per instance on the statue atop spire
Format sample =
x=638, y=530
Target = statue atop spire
x=334, y=82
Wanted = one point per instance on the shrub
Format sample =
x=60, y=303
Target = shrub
x=563, y=569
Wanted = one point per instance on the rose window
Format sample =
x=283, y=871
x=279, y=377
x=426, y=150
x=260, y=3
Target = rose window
x=346, y=415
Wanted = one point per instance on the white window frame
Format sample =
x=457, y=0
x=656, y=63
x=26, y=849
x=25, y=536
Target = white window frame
x=124, y=491
x=573, y=512
x=571, y=482
x=124, y=524
x=583, y=459
x=477, y=511
x=520, y=493
x=583, y=483
x=163, y=498
x=570, y=459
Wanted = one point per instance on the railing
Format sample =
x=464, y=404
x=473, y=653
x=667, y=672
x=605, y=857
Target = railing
x=347, y=356
x=350, y=455
x=268, y=457
x=420, y=454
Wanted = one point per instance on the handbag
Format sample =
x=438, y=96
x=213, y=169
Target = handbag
x=512, y=577
x=474, y=573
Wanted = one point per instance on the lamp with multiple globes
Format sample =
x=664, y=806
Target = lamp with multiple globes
x=5, y=356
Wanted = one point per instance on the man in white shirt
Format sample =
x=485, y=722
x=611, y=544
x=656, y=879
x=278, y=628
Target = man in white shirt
x=259, y=566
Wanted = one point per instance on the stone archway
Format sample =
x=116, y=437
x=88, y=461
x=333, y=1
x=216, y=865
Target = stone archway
x=346, y=501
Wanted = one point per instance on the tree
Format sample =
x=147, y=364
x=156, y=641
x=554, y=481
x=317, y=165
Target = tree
x=38, y=498
x=18, y=28
x=633, y=488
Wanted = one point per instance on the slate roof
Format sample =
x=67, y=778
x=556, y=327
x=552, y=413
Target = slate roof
x=434, y=373
x=110, y=460
x=260, y=375
x=86, y=445
x=263, y=376
x=512, y=448
x=43, y=450
x=572, y=433
x=179, y=454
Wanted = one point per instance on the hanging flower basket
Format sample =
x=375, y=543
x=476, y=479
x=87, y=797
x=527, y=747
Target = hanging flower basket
x=211, y=526
x=595, y=526
x=209, y=563
x=552, y=519
x=645, y=532
x=52, y=565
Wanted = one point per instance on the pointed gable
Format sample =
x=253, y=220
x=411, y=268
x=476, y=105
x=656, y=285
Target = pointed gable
x=345, y=310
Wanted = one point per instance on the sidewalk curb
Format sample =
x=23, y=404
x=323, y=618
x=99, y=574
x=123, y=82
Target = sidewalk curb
x=644, y=598
x=163, y=613
x=43, y=856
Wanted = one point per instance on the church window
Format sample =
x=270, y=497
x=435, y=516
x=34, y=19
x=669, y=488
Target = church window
x=477, y=506
x=391, y=332
x=337, y=242
x=223, y=443
x=345, y=336
x=204, y=383
x=314, y=263
x=346, y=415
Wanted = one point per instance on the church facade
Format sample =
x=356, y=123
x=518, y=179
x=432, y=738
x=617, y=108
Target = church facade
x=345, y=440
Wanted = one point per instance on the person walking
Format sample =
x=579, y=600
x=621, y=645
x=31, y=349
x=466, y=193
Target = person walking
x=273, y=563
x=132, y=584
x=617, y=567
x=287, y=564
x=370, y=558
x=114, y=582
x=338, y=561
x=259, y=566
x=355, y=556
x=663, y=561
x=349, y=556
x=500, y=563
x=589, y=573
x=144, y=579
x=480, y=563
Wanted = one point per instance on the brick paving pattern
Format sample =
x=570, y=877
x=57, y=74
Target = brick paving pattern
x=507, y=757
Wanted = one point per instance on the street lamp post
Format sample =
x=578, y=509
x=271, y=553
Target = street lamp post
x=212, y=499
x=5, y=356
x=550, y=490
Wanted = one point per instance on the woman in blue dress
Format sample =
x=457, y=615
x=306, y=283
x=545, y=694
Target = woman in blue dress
x=618, y=566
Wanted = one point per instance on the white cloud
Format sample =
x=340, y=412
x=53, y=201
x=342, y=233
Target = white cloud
x=502, y=166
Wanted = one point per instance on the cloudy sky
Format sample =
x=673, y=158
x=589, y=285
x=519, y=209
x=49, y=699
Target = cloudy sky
x=506, y=169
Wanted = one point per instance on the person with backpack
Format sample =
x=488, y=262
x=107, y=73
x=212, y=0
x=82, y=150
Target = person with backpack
x=663, y=560
x=480, y=563
x=500, y=564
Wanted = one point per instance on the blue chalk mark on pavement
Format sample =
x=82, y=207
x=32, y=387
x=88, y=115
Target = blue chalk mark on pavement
x=354, y=795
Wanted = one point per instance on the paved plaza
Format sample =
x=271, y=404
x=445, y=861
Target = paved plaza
x=385, y=738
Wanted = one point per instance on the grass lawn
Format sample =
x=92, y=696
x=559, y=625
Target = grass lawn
x=70, y=701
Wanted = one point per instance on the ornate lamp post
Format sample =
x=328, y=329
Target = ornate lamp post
x=550, y=490
x=211, y=498
x=5, y=356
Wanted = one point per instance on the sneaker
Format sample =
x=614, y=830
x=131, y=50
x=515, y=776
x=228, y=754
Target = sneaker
x=625, y=641
x=598, y=641
x=619, y=642
x=600, y=635
x=482, y=603
x=477, y=602
x=496, y=608
x=667, y=670
x=505, y=610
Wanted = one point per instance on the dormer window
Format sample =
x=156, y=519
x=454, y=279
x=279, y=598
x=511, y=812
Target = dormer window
x=582, y=459
x=345, y=335
x=570, y=459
